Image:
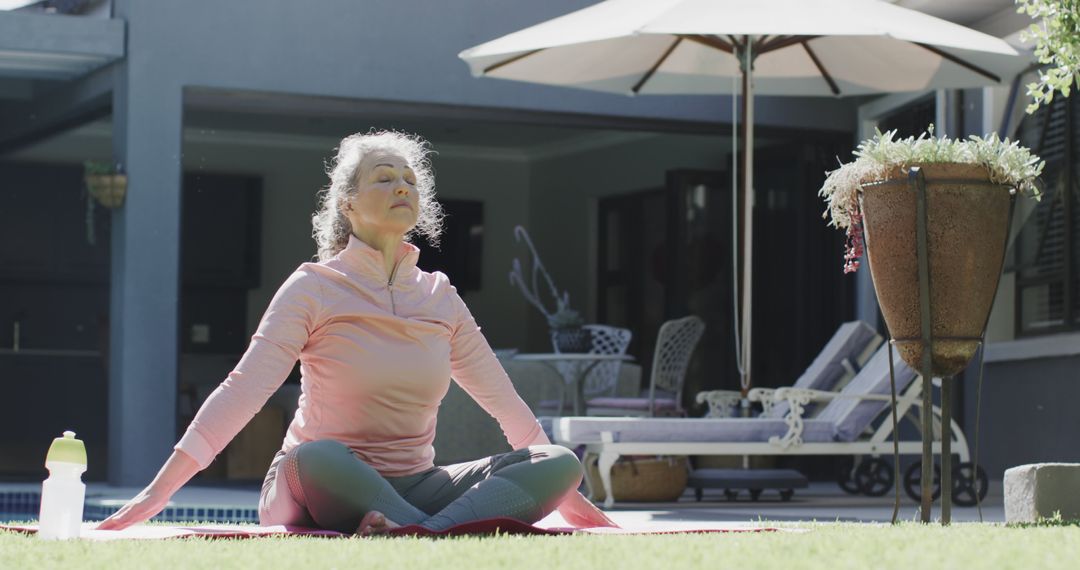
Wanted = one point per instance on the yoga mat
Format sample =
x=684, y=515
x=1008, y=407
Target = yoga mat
x=483, y=527
x=154, y=532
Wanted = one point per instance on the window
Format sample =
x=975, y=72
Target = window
x=1047, y=248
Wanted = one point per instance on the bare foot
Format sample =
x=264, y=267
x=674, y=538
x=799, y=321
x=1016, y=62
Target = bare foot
x=375, y=523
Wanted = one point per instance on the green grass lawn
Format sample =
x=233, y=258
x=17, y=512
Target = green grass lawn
x=832, y=546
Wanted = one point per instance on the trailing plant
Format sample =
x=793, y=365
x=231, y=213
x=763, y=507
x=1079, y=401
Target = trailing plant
x=1006, y=162
x=99, y=168
x=1057, y=44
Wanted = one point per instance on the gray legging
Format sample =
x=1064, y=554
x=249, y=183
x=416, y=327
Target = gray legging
x=323, y=484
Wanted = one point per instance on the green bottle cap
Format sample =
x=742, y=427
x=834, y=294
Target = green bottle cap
x=67, y=449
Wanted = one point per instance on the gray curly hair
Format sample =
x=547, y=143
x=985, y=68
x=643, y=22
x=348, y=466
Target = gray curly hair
x=330, y=226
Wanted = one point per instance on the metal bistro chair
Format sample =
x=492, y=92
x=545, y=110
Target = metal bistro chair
x=603, y=378
x=675, y=344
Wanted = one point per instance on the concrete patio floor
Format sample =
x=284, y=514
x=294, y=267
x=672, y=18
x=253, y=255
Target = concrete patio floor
x=821, y=502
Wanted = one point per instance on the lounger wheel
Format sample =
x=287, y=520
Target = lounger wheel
x=845, y=477
x=786, y=494
x=874, y=477
x=731, y=495
x=913, y=482
x=755, y=494
x=963, y=490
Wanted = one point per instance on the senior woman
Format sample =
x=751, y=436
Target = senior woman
x=378, y=341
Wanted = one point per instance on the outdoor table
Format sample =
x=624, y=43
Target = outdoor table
x=576, y=367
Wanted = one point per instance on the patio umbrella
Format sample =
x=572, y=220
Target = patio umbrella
x=776, y=47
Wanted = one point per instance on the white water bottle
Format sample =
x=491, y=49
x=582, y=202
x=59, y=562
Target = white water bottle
x=62, y=494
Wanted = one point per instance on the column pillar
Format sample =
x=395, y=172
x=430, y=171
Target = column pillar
x=145, y=273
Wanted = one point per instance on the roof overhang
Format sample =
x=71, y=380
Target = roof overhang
x=53, y=46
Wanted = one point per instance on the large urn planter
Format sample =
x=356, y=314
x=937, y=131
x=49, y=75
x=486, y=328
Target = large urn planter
x=967, y=225
x=932, y=216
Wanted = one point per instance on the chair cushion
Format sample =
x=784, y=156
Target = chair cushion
x=576, y=430
x=827, y=368
x=632, y=403
x=851, y=415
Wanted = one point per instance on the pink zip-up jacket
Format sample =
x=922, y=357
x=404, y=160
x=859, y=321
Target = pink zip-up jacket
x=377, y=353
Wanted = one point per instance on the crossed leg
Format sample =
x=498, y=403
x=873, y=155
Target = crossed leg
x=323, y=484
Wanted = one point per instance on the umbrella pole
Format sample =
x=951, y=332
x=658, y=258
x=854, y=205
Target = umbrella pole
x=748, y=211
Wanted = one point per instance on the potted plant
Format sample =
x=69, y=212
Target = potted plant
x=566, y=330
x=106, y=182
x=970, y=185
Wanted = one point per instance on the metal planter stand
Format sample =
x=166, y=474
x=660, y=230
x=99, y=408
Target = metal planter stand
x=917, y=183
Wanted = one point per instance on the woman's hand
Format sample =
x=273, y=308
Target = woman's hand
x=139, y=509
x=178, y=469
x=581, y=513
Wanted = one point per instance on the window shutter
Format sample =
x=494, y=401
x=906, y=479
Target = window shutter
x=1042, y=252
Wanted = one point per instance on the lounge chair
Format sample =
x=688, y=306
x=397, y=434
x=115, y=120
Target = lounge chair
x=852, y=344
x=854, y=422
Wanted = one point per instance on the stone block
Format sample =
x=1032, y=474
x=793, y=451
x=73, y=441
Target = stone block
x=1038, y=491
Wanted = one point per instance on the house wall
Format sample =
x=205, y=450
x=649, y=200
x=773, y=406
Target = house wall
x=1028, y=412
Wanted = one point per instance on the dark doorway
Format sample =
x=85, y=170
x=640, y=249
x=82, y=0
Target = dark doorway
x=54, y=310
x=667, y=252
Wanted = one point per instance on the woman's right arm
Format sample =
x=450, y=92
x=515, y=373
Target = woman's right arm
x=282, y=333
x=177, y=471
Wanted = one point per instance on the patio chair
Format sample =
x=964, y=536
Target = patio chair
x=853, y=422
x=675, y=344
x=602, y=379
x=850, y=347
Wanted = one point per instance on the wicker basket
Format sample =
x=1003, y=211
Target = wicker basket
x=641, y=477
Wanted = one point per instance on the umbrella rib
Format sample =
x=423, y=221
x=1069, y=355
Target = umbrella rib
x=713, y=42
x=821, y=68
x=648, y=75
x=495, y=66
x=781, y=43
x=766, y=46
x=959, y=61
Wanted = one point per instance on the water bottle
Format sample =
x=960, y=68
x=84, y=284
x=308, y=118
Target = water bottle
x=63, y=492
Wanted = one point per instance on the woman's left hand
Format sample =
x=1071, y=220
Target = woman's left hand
x=581, y=513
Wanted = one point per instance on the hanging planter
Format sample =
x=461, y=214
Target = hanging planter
x=105, y=182
x=970, y=186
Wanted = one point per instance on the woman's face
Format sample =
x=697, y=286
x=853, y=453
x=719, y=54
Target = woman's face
x=386, y=199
